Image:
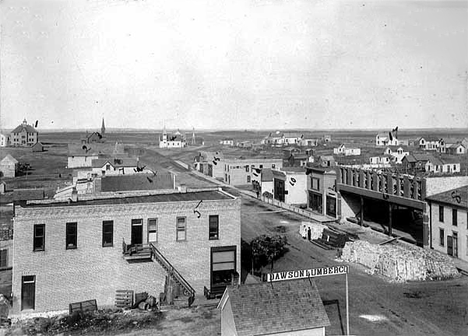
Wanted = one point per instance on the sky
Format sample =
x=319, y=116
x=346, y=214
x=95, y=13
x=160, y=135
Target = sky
x=244, y=64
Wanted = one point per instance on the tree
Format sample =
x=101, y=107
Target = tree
x=266, y=249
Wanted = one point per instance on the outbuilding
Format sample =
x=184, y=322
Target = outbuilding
x=281, y=308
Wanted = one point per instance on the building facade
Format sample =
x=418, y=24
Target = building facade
x=73, y=251
x=176, y=140
x=449, y=222
x=321, y=190
x=24, y=135
x=9, y=166
x=240, y=171
x=290, y=185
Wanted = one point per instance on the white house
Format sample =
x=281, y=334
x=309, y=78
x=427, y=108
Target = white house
x=227, y=142
x=342, y=149
x=387, y=139
x=115, y=166
x=8, y=166
x=398, y=153
x=292, y=138
x=430, y=143
x=380, y=160
x=3, y=140
x=290, y=185
x=442, y=165
x=176, y=140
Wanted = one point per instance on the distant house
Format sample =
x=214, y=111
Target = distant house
x=397, y=153
x=24, y=135
x=430, y=143
x=326, y=161
x=456, y=149
x=291, y=308
x=175, y=140
x=273, y=139
x=94, y=137
x=115, y=166
x=383, y=160
x=239, y=171
x=37, y=147
x=431, y=164
x=227, y=142
x=387, y=139
x=210, y=163
x=299, y=159
x=347, y=151
x=292, y=138
x=308, y=142
x=9, y=166
x=4, y=140
x=327, y=138
x=244, y=144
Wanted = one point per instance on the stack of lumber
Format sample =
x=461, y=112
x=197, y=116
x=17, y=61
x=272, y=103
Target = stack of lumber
x=400, y=262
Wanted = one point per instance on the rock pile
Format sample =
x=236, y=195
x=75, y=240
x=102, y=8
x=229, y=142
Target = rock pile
x=400, y=263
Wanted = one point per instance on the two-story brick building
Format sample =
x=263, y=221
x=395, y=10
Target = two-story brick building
x=87, y=248
x=449, y=222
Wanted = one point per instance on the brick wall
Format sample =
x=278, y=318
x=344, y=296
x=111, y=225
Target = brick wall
x=95, y=272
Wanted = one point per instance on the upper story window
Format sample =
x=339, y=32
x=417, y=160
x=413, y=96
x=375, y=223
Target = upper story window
x=181, y=229
x=441, y=213
x=152, y=230
x=107, y=233
x=247, y=168
x=39, y=237
x=4, y=258
x=315, y=183
x=71, y=236
x=454, y=217
x=214, y=227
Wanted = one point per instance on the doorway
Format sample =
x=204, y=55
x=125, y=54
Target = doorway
x=137, y=232
x=28, y=292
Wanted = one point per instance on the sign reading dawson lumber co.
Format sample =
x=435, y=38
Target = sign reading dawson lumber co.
x=307, y=273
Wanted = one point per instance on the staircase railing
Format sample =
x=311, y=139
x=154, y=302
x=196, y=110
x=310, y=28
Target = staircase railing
x=188, y=290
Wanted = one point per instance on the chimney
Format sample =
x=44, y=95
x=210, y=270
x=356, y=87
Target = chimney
x=74, y=195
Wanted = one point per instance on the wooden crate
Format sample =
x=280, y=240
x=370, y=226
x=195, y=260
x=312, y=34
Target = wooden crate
x=83, y=306
x=124, y=298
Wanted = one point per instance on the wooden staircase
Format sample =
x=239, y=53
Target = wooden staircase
x=172, y=273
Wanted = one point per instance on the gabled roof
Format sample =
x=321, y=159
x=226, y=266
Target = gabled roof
x=417, y=157
x=430, y=138
x=27, y=128
x=456, y=145
x=450, y=160
x=28, y=194
x=452, y=196
x=9, y=158
x=115, y=162
x=278, y=307
x=162, y=180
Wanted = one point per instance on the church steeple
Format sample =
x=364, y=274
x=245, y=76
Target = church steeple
x=103, y=128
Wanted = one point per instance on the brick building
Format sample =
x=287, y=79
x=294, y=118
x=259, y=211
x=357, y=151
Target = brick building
x=80, y=250
x=321, y=188
x=24, y=135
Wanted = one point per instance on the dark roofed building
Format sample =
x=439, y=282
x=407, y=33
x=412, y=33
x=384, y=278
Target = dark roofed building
x=137, y=182
x=281, y=308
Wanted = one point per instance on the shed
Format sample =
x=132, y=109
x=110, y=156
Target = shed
x=281, y=308
x=9, y=166
x=38, y=147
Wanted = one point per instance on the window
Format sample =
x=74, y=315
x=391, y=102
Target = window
x=4, y=258
x=181, y=229
x=248, y=178
x=441, y=237
x=454, y=217
x=247, y=168
x=39, y=237
x=315, y=183
x=107, y=166
x=214, y=227
x=71, y=236
x=441, y=213
x=152, y=230
x=107, y=233
x=273, y=166
x=223, y=266
x=261, y=166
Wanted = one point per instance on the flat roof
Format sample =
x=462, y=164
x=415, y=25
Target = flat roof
x=176, y=196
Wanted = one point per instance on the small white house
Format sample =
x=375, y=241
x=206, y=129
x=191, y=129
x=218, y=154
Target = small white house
x=398, y=153
x=347, y=151
x=227, y=142
x=3, y=140
x=456, y=149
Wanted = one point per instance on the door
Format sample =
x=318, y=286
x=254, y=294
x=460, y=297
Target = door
x=137, y=232
x=223, y=266
x=278, y=190
x=449, y=245
x=28, y=292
